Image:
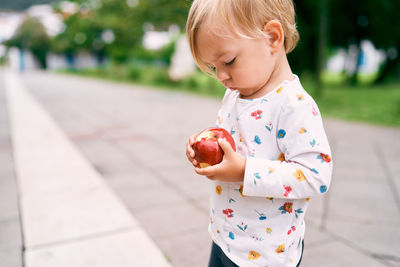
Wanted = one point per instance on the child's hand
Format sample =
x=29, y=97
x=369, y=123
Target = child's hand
x=189, y=150
x=231, y=169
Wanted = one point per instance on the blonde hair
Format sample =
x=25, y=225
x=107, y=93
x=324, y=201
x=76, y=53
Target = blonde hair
x=245, y=18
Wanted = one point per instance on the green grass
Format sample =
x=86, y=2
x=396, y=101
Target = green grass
x=373, y=104
x=367, y=103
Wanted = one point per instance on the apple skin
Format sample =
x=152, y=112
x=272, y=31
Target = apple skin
x=206, y=147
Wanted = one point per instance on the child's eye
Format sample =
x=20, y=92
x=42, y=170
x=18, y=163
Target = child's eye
x=230, y=62
x=212, y=68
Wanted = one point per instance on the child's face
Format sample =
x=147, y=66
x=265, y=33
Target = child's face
x=239, y=63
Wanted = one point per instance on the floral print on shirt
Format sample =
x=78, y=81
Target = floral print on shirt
x=260, y=222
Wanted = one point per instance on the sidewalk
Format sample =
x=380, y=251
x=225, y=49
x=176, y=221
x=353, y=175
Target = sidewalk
x=130, y=143
x=69, y=215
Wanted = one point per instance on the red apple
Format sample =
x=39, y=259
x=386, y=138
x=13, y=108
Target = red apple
x=206, y=147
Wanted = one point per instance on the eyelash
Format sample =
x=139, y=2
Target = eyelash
x=213, y=69
x=230, y=62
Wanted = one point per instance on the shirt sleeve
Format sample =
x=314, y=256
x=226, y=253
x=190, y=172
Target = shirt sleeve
x=306, y=168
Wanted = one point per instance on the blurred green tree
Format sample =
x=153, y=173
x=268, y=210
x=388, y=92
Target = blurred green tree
x=115, y=27
x=325, y=25
x=31, y=35
x=370, y=20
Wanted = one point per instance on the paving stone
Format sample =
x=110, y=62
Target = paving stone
x=11, y=257
x=74, y=215
x=138, y=199
x=334, y=254
x=8, y=187
x=315, y=235
x=362, y=201
x=10, y=234
x=195, y=252
x=149, y=128
x=119, y=249
x=377, y=237
x=168, y=221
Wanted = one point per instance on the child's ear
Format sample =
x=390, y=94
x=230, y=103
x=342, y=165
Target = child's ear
x=275, y=34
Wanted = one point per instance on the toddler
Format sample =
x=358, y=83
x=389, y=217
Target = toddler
x=260, y=192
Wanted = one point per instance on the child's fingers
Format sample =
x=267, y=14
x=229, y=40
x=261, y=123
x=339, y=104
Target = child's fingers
x=226, y=146
x=195, y=163
x=189, y=151
x=192, y=138
x=210, y=171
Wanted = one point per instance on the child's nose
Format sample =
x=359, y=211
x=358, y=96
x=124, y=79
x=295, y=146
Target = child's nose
x=223, y=76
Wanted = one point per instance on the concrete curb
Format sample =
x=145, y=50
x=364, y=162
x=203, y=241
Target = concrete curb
x=69, y=215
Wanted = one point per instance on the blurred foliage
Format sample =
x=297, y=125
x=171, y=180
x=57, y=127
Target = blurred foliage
x=349, y=22
x=21, y=4
x=373, y=20
x=123, y=19
x=31, y=35
x=115, y=29
x=154, y=76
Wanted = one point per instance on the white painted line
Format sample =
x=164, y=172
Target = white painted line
x=68, y=212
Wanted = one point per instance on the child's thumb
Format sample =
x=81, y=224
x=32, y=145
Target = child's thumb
x=226, y=146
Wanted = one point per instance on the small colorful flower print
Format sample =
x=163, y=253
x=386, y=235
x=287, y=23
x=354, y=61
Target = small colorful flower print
x=257, y=114
x=280, y=249
x=257, y=238
x=270, y=170
x=312, y=143
x=231, y=236
x=281, y=133
x=270, y=198
x=242, y=226
x=299, y=175
x=269, y=126
x=300, y=97
x=291, y=230
x=257, y=140
x=253, y=255
x=279, y=90
x=298, y=211
x=315, y=111
x=281, y=157
x=302, y=130
x=286, y=208
x=256, y=176
x=261, y=216
x=228, y=213
x=218, y=189
x=324, y=157
x=287, y=189
x=269, y=231
x=323, y=188
x=241, y=191
x=314, y=170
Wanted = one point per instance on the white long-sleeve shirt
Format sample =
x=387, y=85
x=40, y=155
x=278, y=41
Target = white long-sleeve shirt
x=260, y=222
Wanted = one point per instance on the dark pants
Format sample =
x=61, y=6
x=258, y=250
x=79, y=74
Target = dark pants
x=219, y=259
